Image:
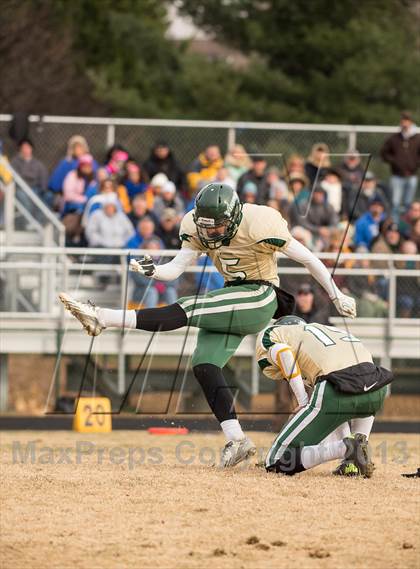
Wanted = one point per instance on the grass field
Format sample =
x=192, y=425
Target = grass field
x=130, y=499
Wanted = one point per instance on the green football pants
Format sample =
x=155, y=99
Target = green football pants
x=225, y=316
x=327, y=409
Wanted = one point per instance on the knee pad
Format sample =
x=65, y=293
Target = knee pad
x=290, y=463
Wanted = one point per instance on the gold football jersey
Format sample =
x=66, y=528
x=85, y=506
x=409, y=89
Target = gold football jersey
x=251, y=253
x=318, y=349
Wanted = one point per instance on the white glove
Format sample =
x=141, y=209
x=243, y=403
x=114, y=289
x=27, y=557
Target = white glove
x=144, y=266
x=345, y=305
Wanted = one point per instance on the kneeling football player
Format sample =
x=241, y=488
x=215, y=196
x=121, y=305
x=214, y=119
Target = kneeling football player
x=242, y=241
x=347, y=387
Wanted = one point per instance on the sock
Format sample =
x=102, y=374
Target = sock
x=232, y=430
x=218, y=393
x=362, y=425
x=338, y=435
x=313, y=455
x=117, y=318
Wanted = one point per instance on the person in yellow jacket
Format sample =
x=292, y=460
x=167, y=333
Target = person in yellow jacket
x=204, y=168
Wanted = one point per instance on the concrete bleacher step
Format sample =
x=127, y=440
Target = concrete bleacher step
x=21, y=238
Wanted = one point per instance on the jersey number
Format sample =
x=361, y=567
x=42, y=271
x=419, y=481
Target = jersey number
x=325, y=339
x=227, y=264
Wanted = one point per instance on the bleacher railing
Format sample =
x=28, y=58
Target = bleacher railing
x=24, y=210
x=189, y=137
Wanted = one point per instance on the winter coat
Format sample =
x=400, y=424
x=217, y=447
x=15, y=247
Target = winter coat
x=203, y=171
x=32, y=171
x=402, y=154
x=105, y=231
x=168, y=166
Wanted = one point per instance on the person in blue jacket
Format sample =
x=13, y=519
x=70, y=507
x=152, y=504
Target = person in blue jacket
x=367, y=226
x=76, y=147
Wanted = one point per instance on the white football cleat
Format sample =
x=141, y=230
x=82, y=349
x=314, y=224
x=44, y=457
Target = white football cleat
x=235, y=452
x=86, y=314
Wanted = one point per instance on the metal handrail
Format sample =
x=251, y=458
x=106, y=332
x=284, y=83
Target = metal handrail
x=56, y=119
x=172, y=252
x=36, y=200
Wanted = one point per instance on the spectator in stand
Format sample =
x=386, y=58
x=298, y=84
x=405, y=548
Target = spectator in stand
x=108, y=227
x=76, y=184
x=96, y=199
x=277, y=188
x=331, y=183
x=317, y=162
x=295, y=165
x=356, y=203
x=224, y=177
x=155, y=188
x=109, y=185
x=365, y=289
x=317, y=215
x=168, y=199
x=367, y=226
x=133, y=181
x=304, y=236
x=298, y=187
x=116, y=165
x=207, y=280
x=168, y=229
x=387, y=242
x=410, y=219
x=258, y=175
x=237, y=162
x=162, y=161
x=352, y=170
x=415, y=234
x=249, y=192
x=140, y=210
x=408, y=288
x=307, y=307
x=31, y=170
x=204, y=168
x=402, y=152
x=145, y=230
x=76, y=147
x=149, y=292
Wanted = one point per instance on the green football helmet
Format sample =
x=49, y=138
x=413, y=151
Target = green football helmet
x=217, y=214
x=290, y=320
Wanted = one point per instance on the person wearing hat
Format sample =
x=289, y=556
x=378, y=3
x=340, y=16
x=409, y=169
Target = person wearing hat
x=168, y=199
x=257, y=174
x=402, y=152
x=331, y=183
x=352, y=170
x=77, y=146
x=76, y=183
x=367, y=226
x=108, y=226
x=168, y=229
x=298, y=187
x=307, y=308
x=163, y=161
x=356, y=203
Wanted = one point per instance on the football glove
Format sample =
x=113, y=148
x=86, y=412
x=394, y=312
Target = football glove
x=144, y=266
x=345, y=305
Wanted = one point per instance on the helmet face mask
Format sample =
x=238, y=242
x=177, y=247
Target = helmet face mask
x=217, y=214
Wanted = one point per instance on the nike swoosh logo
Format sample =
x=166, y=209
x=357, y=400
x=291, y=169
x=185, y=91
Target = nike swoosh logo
x=366, y=388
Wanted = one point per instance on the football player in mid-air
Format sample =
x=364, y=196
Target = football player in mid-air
x=347, y=387
x=242, y=241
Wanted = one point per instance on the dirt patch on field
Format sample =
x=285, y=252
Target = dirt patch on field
x=130, y=499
